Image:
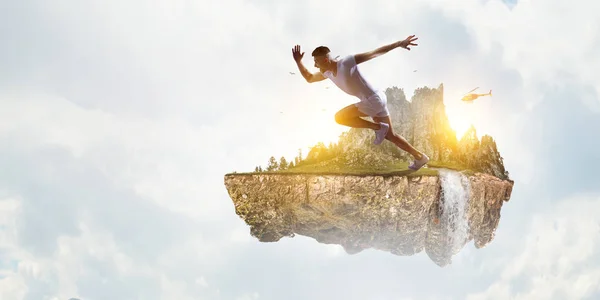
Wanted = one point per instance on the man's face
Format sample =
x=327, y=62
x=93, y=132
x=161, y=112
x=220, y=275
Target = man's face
x=321, y=62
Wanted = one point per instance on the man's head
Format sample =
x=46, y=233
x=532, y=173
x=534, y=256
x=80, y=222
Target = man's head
x=322, y=58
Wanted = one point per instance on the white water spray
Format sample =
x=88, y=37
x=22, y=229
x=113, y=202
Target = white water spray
x=454, y=205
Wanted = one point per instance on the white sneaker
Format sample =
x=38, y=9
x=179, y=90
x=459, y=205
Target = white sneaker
x=381, y=133
x=417, y=164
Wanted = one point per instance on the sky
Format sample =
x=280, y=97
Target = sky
x=118, y=121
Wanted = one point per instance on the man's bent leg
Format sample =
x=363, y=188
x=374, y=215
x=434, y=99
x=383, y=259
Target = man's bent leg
x=351, y=116
x=397, y=139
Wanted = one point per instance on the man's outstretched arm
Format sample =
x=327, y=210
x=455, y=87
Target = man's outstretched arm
x=310, y=77
x=365, y=56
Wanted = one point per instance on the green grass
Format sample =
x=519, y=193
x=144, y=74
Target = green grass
x=447, y=165
x=393, y=169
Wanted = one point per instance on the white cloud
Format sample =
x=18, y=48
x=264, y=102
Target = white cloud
x=91, y=264
x=12, y=287
x=532, y=41
x=167, y=161
x=202, y=282
x=556, y=260
x=248, y=296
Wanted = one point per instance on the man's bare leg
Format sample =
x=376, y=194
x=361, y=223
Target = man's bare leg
x=351, y=116
x=397, y=139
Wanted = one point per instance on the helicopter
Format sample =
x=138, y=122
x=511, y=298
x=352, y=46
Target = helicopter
x=471, y=97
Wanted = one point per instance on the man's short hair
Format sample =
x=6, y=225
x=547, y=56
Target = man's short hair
x=320, y=51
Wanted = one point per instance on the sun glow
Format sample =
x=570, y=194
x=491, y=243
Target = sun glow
x=307, y=124
x=323, y=128
x=460, y=116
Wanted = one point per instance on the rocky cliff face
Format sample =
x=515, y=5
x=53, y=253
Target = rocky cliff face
x=399, y=214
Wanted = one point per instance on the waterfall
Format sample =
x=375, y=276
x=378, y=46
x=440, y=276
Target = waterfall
x=454, y=205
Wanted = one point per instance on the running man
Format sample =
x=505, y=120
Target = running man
x=373, y=102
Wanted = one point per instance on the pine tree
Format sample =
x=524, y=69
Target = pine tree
x=283, y=163
x=298, y=158
x=272, y=166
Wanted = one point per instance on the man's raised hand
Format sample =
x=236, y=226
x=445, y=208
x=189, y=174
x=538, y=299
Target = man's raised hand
x=296, y=53
x=408, y=42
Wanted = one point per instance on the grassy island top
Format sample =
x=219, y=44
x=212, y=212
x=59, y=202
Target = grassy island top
x=397, y=168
